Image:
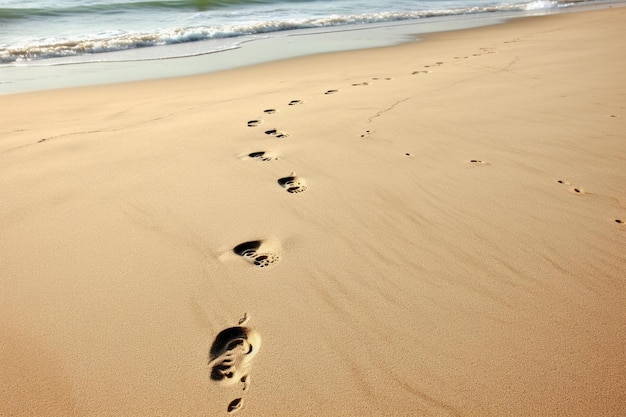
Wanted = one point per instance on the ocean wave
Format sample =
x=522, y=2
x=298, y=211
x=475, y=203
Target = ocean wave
x=114, y=7
x=128, y=41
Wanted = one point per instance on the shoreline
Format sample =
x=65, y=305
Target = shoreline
x=140, y=64
x=239, y=52
x=429, y=229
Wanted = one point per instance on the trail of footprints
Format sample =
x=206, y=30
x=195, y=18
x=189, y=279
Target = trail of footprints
x=577, y=190
x=483, y=51
x=292, y=184
x=233, y=349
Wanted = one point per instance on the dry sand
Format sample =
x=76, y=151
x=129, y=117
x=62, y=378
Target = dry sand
x=451, y=247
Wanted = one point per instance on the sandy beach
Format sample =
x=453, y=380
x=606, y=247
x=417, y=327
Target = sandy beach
x=431, y=229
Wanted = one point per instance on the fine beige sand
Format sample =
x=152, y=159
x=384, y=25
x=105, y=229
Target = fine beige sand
x=432, y=229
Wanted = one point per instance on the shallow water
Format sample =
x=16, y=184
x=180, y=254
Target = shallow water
x=85, y=30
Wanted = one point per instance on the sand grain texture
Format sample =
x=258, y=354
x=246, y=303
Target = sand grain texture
x=451, y=248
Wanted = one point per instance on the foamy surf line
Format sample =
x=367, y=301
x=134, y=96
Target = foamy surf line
x=97, y=40
x=223, y=53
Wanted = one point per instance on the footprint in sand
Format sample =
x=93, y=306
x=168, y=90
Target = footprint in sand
x=230, y=357
x=254, y=123
x=293, y=184
x=231, y=353
x=360, y=84
x=250, y=252
x=367, y=133
x=476, y=162
x=269, y=111
x=262, y=156
x=420, y=72
x=572, y=189
x=295, y=102
x=276, y=133
x=331, y=91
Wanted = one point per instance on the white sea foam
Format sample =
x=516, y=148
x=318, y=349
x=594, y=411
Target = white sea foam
x=81, y=28
x=542, y=4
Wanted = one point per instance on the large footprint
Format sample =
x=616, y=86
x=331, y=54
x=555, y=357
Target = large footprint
x=230, y=355
x=250, y=251
x=293, y=184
